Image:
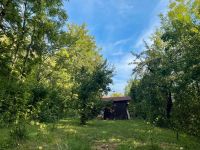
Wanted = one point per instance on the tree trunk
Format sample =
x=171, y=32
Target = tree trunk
x=169, y=104
x=83, y=115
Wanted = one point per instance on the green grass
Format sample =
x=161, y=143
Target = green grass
x=99, y=134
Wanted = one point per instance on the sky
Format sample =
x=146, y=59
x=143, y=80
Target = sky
x=119, y=27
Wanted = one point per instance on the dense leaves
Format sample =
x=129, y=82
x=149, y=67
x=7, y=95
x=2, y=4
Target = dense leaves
x=41, y=62
x=91, y=88
x=166, y=87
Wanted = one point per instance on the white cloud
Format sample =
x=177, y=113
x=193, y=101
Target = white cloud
x=118, y=53
x=119, y=13
x=124, y=8
x=122, y=41
x=123, y=71
x=114, y=49
x=145, y=36
x=122, y=65
x=153, y=24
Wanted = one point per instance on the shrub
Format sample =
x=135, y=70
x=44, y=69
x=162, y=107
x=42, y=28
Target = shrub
x=18, y=132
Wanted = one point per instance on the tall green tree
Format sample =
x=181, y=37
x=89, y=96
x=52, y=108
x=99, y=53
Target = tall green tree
x=168, y=70
x=91, y=87
x=29, y=31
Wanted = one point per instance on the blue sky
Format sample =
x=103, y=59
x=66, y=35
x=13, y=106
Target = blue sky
x=119, y=27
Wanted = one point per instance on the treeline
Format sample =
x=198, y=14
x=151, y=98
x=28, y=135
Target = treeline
x=48, y=69
x=166, y=84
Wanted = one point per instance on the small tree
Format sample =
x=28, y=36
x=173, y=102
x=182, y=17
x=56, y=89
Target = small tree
x=116, y=94
x=90, y=89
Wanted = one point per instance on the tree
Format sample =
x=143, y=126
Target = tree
x=116, y=94
x=29, y=32
x=91, y=88
x=167, y=70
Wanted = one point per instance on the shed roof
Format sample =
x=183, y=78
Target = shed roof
x=119, y=98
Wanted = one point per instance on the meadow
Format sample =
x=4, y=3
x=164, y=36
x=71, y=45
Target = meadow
x=68, y=134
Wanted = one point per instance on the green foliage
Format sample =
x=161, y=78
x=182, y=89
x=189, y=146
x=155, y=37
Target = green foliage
x=18, y=132
x=111, y=134
x=29, y=32
x=51, y=108
x=40, y=63
x=166, y=88
x=116, y=94
x=90, y=88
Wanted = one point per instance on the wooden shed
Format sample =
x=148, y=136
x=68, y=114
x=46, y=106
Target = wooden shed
x=118, y=108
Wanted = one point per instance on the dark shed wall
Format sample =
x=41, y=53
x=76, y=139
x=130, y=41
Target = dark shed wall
x=120, y=109
x=108, y=113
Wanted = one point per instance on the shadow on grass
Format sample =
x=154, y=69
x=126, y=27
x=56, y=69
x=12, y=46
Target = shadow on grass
x=102, y=134
x=144, y=147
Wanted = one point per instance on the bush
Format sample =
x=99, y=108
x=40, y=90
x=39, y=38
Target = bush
x=18, y=132
x=161, y=121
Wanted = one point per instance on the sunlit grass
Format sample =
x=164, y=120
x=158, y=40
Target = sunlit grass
x=100, y=134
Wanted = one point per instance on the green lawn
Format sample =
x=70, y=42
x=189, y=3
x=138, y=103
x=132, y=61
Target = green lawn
x=100, y=135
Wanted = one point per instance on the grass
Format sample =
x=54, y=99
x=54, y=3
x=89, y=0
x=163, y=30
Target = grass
x=67, y=134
